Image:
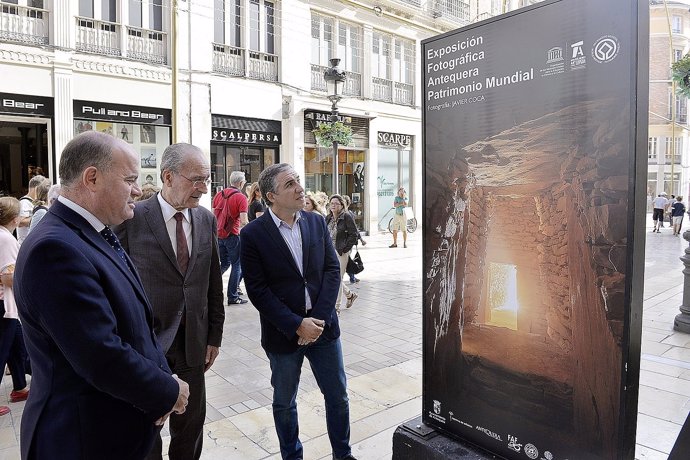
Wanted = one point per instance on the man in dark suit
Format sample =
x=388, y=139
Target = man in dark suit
x=100, y=382
x=292, y=276
x=172, y=242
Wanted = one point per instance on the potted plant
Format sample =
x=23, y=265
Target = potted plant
x=328, y=132
x=681, y=75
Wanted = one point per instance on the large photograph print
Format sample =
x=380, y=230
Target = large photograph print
x=529, y=153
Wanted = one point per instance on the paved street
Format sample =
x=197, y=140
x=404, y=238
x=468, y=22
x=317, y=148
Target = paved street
x=382, y=347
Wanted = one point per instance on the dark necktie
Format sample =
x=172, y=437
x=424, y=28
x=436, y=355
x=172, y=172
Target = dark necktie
x=112, y=240
x=182, y=250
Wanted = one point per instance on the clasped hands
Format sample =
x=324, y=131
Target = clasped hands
x=181, y=403
x=310, y=330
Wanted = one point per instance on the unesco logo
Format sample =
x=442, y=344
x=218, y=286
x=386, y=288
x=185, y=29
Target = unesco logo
x=605, y=49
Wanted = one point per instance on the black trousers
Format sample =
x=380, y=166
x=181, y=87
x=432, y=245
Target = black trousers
x=186, y=430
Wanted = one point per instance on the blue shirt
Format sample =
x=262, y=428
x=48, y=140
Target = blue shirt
x=293, y=238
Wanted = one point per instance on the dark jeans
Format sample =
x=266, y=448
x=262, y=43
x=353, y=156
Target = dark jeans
x=186, y=430
x=13, y=352
x=229, y=249
x=326, y=361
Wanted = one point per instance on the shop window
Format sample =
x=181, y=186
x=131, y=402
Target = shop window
x=149, y=140
x=502, y=295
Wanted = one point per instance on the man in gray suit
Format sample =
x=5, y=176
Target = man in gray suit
x=173, y=244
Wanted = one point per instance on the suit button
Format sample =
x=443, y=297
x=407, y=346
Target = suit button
x=179, y=313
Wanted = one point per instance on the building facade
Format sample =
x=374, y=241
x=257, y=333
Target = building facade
x=249, y=86
x=669, y=166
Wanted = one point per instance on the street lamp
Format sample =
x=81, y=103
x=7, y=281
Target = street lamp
x=334, y=81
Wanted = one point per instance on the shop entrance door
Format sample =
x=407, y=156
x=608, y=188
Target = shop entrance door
x=24, y=151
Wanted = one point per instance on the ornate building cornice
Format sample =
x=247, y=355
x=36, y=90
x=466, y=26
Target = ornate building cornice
x=23, y=57
x=118, y=69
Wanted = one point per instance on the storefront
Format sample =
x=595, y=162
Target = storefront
x=352, y=168
x=394, y=171
x=242, y=144
x=146, y=128
x=25, y=141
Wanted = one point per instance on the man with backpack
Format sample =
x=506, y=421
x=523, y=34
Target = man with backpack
x=230, y=208
x=26, y=206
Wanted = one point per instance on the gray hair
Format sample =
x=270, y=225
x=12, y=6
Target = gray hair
x=53, y=193
x=36, y=181
x=236, y=178
x=84, y=151
x=267, y=179
x=173, y=157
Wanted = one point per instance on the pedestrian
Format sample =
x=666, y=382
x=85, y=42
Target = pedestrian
x=101, y=386
x=281, y=250
x=348, y=202
x=660, y=203
x=399, y=221
x=677, y=213
x=256, y=207
x=12, y=349
x=172, y=242
x=26, y=204
x=40, y=204
x=311, y=205
x=230, y=207
x=343, y=233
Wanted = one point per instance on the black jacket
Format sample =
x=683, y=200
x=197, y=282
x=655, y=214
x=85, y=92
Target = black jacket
x=346, y=234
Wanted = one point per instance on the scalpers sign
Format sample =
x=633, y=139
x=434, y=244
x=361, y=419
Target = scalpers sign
x=320, y=117
x=245, y=137
x=394, y=139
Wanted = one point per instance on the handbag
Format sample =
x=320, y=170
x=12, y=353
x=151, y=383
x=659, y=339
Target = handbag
x=355, y=264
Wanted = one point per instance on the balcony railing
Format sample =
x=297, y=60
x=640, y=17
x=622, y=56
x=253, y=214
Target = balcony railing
x=100, y=37
x=353, y=82
x=263, y=66
x=382, y=89
x=403, y=93
x=23, y=24
x=228, y=60
x=147, y=45
x=392, y=91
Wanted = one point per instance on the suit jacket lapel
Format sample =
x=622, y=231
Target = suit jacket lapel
x=277, y=238
x=154, y=219
x=306, y=238
x=96, y=239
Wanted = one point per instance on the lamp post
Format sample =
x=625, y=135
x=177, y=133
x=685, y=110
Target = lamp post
x=334, y=81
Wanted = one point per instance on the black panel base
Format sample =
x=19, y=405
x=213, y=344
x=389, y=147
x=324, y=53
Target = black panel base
x=413, y=440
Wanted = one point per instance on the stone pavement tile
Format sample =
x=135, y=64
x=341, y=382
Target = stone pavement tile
x=656, y=434
x=678, y=339
x=664, y=382
x=645, y=453
x=654, y=348
x=685, y=375
x=212, y=415
x=11, y=453
x=660, y=368
x=681, y=354
x=227, y=398
x=655, y=336
x=8, y=437
x=663, y=404
x=256, y=425
x=224, y=441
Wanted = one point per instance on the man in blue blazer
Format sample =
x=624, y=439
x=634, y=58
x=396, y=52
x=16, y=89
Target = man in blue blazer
x=100, y=383
x=292, y=276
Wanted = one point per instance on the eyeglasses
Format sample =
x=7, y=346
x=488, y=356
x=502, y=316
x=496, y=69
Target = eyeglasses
x=197, y=184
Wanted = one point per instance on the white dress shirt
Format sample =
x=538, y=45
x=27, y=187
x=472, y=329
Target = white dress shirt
x=171, y=224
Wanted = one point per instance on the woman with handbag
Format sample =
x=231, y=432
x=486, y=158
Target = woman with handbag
x=343, y=231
